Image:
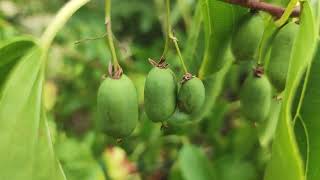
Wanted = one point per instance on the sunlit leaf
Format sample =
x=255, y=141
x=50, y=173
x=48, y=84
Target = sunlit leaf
x=219, y=22
x=307, y=120
x=286, y=161
x=26, y=146
x=26, y=150
x=10, y=52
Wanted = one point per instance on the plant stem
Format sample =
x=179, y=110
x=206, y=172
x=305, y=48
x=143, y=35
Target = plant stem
x=290, y=8
x=60, y=19
x=276, y=11
x=168, y=29
x=109, y=34
x=175, y=41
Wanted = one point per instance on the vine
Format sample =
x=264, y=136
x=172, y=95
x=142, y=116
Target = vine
x=276, y=11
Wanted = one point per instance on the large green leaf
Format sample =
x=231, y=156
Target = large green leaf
x=286, y=162
x=14, y=49
x=26, y=147
x=191, y=52
x=219, y=21
x=26, y=150
x=317, y=13
x=307, y=119
x=194, y=164
x=10, y=52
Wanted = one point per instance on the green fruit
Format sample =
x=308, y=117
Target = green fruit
x=246, y=39
x=191, y=96
x=280, y=55
x=160, y=94
x=255, y=98
x=117, y=106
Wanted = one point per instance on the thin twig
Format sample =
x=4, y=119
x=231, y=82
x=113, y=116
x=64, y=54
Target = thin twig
x=90, y=39
x=274, y=10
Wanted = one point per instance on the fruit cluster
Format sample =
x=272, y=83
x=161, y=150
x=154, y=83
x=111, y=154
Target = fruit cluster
x=161, y=97
x=117, y=97
x=118, y=104
x=256, y=88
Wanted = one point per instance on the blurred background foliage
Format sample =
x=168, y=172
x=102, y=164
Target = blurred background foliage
x=219, y=145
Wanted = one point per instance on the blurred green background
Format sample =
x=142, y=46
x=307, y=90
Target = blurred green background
x=217, y=144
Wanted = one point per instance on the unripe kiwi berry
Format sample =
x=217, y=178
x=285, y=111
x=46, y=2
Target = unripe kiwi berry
x=160, y=94
x=280, y=55
x=255, y=97
x=117, y=106
x=191, y=95
x=246, y=38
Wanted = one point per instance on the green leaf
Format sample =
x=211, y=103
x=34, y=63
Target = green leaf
x=286, y=161
x=190, y=53
x=307, y=119
x=194, y=164
x=26, y=146
x=26, y=150
x=219, y=21
x=317, y=14
x=10, y=52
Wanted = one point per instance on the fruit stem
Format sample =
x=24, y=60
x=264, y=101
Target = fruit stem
x=174, y=39
x=290, y=8
x=109, y=34
x=168, y=29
